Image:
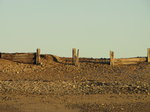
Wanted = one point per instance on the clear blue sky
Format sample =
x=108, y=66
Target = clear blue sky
x=93, y=26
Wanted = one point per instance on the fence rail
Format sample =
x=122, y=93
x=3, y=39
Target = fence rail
x=122, y=61
x=129, y=61
x=28, y=58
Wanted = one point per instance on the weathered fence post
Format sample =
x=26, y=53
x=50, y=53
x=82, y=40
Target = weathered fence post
x=148, y=55
x=75, y=57
x=38, y=56
x=111, y=58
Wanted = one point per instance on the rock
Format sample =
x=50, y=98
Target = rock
x=102, y=104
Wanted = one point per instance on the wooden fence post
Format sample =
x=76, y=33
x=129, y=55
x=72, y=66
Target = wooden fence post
x=111, y=58
x=148, y=55
x=75, y=57
x=38, y=56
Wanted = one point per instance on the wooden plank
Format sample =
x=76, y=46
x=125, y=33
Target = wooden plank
x=30, y=56
x=25, y=61
x=112, y=58
x=148, y=55
x=126, y=63
x=130, y=60
x=38, y=56
x=10, y=56
x=23, y=57
x=6, y=56
x=19, y=57
x=18, y=54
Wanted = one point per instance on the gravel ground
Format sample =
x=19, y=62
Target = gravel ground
x=125, y=84
x=68, y=87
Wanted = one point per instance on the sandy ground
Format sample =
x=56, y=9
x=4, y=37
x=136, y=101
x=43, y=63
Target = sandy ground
x=19, y=103
x=62, y=87
x=75, y=103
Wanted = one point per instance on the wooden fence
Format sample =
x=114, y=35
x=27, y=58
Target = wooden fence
x=75, y=60
x=34, y=58
x=28, y=58
x=122, y=61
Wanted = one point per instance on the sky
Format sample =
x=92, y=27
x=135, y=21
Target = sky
x=93, y=26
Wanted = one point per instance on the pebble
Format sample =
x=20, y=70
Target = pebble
x=122, y=108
